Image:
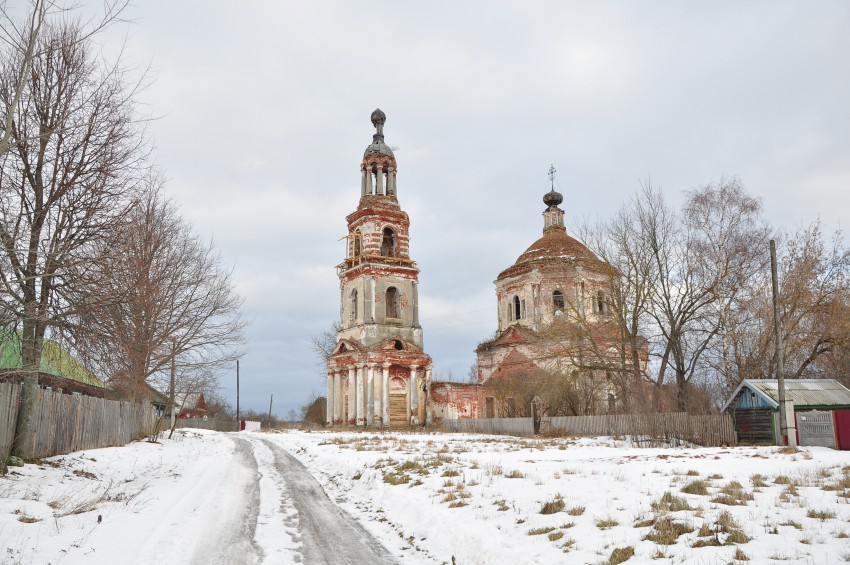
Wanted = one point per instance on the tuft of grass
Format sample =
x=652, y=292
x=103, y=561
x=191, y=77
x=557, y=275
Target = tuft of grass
x=793, y=524
x=576, y=511
x=726, y=523
x=501, y=506
x=553, y=506
x=515, y=474
x=620, y=555
x=396, y=479
x=740, y=555
x=705, y=531
x=669, y=502
x=666, y=531
x=736, y=537
x=696, y=487
x=606, y=523
x=733, y=494
x=450, y=473
x=782, y=480
x=710, y=542
x=540, y=531
x=555, y=536
x=758, y=481
x=821, y=515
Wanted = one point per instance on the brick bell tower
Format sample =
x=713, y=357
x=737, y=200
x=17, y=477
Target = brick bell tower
x=378, y=374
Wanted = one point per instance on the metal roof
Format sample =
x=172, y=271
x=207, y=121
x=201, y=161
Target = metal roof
x=803, y=392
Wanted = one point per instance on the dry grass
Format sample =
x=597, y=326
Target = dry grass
x=666, y=531
x=540, y=531
x=620, y=555
x=733, y=494
x=669, y=502
x=821, y=515
x=576, y=511
x=553, y=506
x=606, y=523
x=696, y=487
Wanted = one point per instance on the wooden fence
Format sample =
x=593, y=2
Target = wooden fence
x=713, y=430
x=710, y=430
x=200, y=423
x=72, y=422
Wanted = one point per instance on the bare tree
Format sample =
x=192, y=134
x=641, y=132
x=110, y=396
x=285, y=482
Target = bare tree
x=160, y=299
x=323, y=345
x=65, y=180
x=815, y=311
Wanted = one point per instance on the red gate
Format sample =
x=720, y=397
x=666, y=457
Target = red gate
x=842, y=428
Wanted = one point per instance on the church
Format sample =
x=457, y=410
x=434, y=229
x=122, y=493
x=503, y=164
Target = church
x=554, y=319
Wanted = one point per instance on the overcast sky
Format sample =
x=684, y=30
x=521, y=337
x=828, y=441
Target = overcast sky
x=265, y=115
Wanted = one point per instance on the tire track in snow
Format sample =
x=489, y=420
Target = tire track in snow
x=276, y=512
x=328, y=534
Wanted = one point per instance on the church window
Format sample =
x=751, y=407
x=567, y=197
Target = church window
x=356, y=244
x=392, y=302
x=489, y=407
x=511, y=405
x=600, y=302
x=388, y=243
x=353, y=309
x=517, y=309
x=510, y=312
x=397, y=344
x=558, y=300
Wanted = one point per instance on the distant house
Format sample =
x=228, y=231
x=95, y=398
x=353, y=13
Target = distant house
x=58, y=368
x=821, y=408
x=190, y=405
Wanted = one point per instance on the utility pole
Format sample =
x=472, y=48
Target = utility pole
x=270, y=411
x=238, y=419
x=171, y=387
x=788, y=431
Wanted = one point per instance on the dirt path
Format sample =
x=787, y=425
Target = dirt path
x=329, y=535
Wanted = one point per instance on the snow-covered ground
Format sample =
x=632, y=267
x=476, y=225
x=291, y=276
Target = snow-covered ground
x=208, y=497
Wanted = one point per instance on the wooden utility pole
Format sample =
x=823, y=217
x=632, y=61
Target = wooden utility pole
x=788, y=431
x=238, y=419
x=270, y=411
x=171, y=386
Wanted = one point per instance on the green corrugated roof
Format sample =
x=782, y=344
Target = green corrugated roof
x=55, y=360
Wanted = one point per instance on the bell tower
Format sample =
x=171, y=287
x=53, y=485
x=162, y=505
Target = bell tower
x=378, y=374
x=378, y=280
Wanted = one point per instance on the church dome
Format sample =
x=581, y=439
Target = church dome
x=554, y=247
x=378, y=147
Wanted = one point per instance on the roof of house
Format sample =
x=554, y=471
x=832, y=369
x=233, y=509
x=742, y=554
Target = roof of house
x=55, y=360
x=802, y=392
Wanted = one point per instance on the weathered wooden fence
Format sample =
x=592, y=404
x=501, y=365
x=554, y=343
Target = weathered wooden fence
x=710, y=430
x=200, y=423
x=9, y=395
x=707, y=430
x=71, y=422
x=510, y=426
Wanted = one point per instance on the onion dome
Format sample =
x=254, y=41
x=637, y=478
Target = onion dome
x=552, y=198
x=378, y=147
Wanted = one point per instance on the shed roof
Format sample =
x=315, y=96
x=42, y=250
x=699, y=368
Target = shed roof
x=802, y=392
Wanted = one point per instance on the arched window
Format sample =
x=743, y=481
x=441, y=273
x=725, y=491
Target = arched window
x=558, y=300
x=392, y=302
x=517, y=308
x=388, y=243
x=353, y=309
x=600, y=302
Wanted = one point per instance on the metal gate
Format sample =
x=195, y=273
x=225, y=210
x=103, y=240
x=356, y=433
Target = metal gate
x=816, y=428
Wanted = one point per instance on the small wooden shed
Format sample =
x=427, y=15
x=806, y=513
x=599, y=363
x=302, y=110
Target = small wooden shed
x=821, y=407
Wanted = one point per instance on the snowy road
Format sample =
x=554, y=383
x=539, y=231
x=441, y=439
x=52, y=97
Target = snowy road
x=329, y=535
x=201, y=498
